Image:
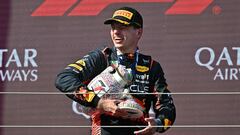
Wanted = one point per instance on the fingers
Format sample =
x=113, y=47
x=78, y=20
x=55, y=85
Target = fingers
x=144, y=131
x=151, y=121
x=150, y=129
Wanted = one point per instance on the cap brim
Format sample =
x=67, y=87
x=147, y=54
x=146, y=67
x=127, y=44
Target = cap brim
x=111, y=20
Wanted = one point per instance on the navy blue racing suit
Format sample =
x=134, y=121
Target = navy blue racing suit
x=148, y=77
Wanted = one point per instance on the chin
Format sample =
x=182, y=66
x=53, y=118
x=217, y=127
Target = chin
x=118, y=45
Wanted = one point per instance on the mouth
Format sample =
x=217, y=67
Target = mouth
x=118, y=40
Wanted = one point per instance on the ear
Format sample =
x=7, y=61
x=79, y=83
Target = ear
x=139, y=32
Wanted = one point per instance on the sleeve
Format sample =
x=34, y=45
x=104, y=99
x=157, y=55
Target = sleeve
x=163, y=105
x=75, y=77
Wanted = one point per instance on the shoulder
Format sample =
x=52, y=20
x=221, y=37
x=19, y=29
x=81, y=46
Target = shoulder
x=156, y=69
x=154, y=63
x=98, y=53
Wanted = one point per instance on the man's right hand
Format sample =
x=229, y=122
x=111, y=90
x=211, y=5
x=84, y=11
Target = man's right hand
x=109, y=106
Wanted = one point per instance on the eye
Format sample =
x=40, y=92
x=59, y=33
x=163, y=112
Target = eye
x=112, y=26
x=123, y=27
x=118, y=26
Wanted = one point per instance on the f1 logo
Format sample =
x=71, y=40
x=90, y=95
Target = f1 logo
x=94, y=7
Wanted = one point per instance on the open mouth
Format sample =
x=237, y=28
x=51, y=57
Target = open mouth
x=118, y=40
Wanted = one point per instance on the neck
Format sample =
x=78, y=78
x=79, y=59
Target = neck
x=123, y=51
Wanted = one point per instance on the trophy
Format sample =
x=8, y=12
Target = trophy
x=111, y=83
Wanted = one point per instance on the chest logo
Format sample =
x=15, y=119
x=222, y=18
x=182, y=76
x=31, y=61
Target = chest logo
x=142, y=68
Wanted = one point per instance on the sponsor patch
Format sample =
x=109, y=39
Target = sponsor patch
x=89, y=96
x=142, y=68
x=167, y=123
x=76, y=66
x=123, y=13
x=81, y=62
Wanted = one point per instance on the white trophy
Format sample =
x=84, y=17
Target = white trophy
x=110, y=84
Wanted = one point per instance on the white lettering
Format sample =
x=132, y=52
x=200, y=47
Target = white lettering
x=34, y=75
x=30, y=58
x=6, y=75
x=238, y=54
x=1, y=56
x=219, y=75
x=225, y=56
x=136, y=88
x=227, y=74
x=18, y=75
x=14, y=58
x=25, y=74
x=210, y=61
x=233, y=74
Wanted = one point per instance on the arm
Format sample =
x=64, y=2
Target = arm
x=74, y=78
x=162, y=104
x=164, y=107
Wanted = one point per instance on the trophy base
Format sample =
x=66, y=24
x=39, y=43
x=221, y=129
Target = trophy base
x=131, y=108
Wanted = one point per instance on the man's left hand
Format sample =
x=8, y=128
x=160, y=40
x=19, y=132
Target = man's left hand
x=150, y=129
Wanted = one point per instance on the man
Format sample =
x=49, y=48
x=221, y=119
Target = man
x=148, y=77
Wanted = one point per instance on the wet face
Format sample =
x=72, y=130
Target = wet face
x=125, y=38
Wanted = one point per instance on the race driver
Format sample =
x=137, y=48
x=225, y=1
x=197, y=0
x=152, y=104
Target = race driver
x=148, y=77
